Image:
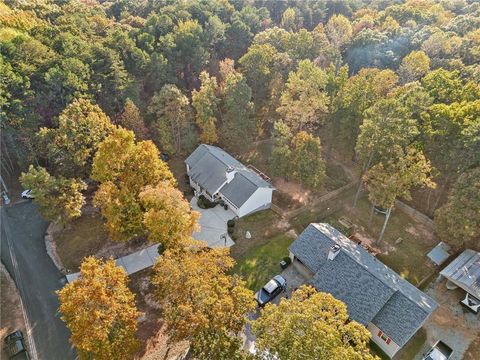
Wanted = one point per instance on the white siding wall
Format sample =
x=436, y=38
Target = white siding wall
x=262, y=197
x=390, y=349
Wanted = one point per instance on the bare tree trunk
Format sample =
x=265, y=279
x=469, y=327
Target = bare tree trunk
x=4, y=185
x=365, y=168
x=442, y=190
x=371, y=215
x=387, y=217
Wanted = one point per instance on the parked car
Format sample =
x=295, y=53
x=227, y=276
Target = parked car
x=439, y=351
x=27, y=194
x=271, y=289
x=15, y=346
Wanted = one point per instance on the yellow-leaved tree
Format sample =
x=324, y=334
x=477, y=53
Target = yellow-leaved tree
x=201, y=302
x=168, y=217
x=99, y=309
x=310, y=325
x=124, y=168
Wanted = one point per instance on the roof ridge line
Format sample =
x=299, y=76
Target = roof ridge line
x=400, y=279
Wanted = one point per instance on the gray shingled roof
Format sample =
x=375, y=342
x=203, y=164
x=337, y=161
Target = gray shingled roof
x=208, y=168
x=401, y=318
x=345, y=280
x=372, y=291
x=239, y=190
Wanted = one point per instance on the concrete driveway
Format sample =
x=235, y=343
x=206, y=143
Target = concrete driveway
x=25, y=257
x=294, y=281
x=451, y=322
x=213, y=225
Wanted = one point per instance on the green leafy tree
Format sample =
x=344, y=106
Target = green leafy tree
x=172, y=119
x=297, y=157
x=57, y=197
x=414, y=66
x=387, y=129
x=306, y=160
x=339, y=30
x=131, y=119
x=387, y=182
x=71, y=146
x=359, y=93
x=452, y=140
x=281, y=153
x=304, y=101
x=443, y=85
x=201, y=302
x=99, y=309
x=205, y=102
x=189, y=53
x=238, y=123
x=289, y=20
x=110, y=78
x=257, y=66
x=457, y=222
x=124, y=168
x=310, y=325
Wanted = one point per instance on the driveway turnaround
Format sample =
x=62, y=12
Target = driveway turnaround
x=25, y=257
x=132, y=263
x=213, y=225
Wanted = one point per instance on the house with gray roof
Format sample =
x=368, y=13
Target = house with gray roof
x=217, y=175
x=391, y=308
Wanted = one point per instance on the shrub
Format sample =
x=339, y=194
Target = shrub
x=204, y=203
x=234, y=237
x=287, y=260
x=230, y=230
x=231, y=223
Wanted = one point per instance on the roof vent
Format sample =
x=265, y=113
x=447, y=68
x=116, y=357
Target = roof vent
x=230, y=169
x=334, y=251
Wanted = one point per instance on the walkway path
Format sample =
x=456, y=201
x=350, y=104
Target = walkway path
x=132, y=263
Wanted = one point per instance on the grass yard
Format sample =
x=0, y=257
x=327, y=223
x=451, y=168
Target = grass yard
x=82, y=237
x=261, y=225
x=261, y=263
x=406, y=241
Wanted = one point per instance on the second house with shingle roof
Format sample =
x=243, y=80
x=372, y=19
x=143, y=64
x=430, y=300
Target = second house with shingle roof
x=391, y=308
x=216, y=175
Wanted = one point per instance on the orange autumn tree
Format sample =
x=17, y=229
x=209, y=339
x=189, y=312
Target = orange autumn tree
x=310, y=325
x=99, y=309
x=168, y=217
x=201, y=302
x=124, y=168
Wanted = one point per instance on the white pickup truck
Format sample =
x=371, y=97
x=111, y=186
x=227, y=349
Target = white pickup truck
x=439, y=351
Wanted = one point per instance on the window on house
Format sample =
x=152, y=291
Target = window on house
x=384, y=337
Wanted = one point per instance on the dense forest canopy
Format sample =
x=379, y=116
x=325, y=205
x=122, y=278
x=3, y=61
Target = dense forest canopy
x=384, y=82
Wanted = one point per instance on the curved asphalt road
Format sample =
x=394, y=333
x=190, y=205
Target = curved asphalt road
x=24, y=255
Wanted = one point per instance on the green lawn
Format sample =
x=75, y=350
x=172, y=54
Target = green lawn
x=261, y=263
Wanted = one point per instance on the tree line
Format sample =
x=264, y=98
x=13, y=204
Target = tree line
x=307, y=74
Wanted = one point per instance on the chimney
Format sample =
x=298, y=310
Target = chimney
x=334, y=250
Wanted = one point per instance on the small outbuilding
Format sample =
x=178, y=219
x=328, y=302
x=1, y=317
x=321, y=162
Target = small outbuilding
x=439, y=254
x=464, y=272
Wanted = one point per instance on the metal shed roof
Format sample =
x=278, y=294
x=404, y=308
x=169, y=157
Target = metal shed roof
x=439, y=253
x=464, y=272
